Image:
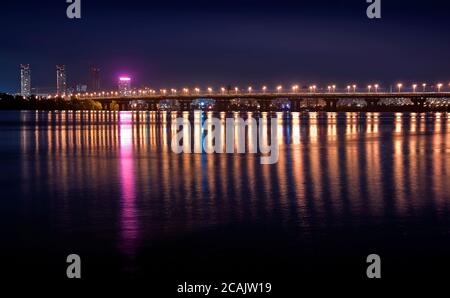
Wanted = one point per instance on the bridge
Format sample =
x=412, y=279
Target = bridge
x=328, y=101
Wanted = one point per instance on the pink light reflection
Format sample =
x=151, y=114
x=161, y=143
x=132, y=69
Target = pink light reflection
x=129, y=216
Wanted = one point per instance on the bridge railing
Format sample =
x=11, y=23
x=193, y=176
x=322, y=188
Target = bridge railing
x=264, y=94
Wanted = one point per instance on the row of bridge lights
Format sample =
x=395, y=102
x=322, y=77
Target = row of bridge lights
x=264, y=89
x=296, y=88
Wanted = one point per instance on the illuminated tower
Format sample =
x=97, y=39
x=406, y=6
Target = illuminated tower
x=25, y=80
x=125, y=86
x=61, y=80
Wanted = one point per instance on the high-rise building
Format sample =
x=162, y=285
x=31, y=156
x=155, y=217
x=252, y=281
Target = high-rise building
x=25, y=80
x=94, y=84
x=61, y=79
x=125, y=86
x=81, y=88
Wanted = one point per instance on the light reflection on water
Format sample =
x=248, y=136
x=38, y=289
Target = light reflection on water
x=113, y=175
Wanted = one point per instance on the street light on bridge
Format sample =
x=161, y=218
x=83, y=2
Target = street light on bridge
x=197, y=90
x=414, y=87
x=348, y=88
x=279, y=88
x=210, y=90
x=354, y=88
x=424, y=86
x=236, y=89
x=264, y=88
x=334, y=88
x=399, y=86
x=369, y=87
x=295, y=88
x=439, y=87
x=222, y=90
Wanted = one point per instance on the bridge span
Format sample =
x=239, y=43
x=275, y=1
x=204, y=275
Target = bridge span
x=296, y=101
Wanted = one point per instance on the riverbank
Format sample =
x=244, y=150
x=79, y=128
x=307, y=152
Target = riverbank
x=11, y=102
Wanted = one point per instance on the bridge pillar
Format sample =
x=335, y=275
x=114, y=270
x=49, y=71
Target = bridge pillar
x=372, y=103
x=185, y=105
x=296, y=104
x=123, y=106
x=264, y=105
x=331, y=104
x=221, y=105
x=419, y=103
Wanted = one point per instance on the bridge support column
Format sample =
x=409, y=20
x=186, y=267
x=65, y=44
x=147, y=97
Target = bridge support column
x=123, y=106
x=186, y=105
x=372, y=104
x=419, y=103
x=331, y=105
x=221, y=105
x=264, y=105
x=296, y=104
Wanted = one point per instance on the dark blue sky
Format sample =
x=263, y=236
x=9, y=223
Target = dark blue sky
x=166, y=44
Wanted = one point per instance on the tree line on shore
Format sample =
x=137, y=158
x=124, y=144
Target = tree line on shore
x=16, y=102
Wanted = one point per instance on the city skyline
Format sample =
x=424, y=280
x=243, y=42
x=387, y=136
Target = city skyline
x=124, y=87
x=25, y=80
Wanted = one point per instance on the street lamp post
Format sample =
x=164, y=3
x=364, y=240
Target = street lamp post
x=399, y=86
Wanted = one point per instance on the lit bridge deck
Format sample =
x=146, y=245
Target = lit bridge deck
x=329, y=100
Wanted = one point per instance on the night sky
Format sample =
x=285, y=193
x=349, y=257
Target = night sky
x=165, y=44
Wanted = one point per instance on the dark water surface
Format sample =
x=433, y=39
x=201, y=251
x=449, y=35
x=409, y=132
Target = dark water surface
x=108, y=187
